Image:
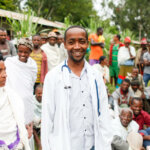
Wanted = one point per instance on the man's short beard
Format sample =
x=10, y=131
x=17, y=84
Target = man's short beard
x=76, y=61
x=36, y=46
x=3, y=42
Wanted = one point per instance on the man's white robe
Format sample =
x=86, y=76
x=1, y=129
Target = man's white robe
x=53, y=55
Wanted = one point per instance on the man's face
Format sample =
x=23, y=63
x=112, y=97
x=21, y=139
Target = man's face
x=23, y=53
x=143, y=46
x=127, y=44
x=135, y=72
x=36, y=40
x=137, y=107
x=125, y=118
x=59, y=40
x=38, y=93
x=125, y=86
x=76, y=44
x=52, y=41
x=2, y=74
x=100, y=32
x=3, y=36
x=43, y=40
x=135, y=87
x=105, y=61
x=115, y=39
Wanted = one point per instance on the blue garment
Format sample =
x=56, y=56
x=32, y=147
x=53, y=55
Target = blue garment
x=146, y=78
x=145, y=132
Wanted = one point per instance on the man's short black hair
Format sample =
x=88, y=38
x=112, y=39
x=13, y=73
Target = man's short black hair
x=71, y=27
x=127, y=81
x=137, y=99
x=36, y=35
x=135, y=83
x=118, y=36
x=1, y=57
x=102, y=58
x=99, y=28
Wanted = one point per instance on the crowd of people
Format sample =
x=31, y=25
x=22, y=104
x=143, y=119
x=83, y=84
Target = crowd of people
x=53, y=99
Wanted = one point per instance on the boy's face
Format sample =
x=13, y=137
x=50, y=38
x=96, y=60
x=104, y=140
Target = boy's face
x=38, y=93
x=76, y=44
x=137, y=107
x=125, y=118
x=23, y=53
x=2, y=74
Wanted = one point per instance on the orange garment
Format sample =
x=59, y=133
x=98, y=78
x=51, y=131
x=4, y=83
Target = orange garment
x=96, y=51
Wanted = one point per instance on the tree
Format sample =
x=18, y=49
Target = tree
x=9, y=4
x=132, y=15
x=59, y=9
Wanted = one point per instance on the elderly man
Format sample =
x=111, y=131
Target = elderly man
x=52, y=51
x=6, y=47
x=122, y=126
x=13, y=134
x=74, y=105
x=126, y=56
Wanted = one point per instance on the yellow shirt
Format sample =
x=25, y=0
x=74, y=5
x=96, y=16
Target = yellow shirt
x=101, y=39
x=38, y=59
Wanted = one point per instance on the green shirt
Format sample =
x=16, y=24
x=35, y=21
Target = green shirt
x=115, y=55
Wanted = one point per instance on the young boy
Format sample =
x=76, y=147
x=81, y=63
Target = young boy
x=135, y=88
x=22, y=72
x=37, y=114
x=142, y=118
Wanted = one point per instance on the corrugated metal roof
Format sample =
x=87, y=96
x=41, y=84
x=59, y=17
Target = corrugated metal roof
x=19, y=16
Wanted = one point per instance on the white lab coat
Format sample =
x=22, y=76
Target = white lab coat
x=55, y=132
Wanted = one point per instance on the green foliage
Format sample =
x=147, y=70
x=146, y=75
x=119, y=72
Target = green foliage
x=24, y=27
x=9, y=4
x=59, y=9
x=111, y=88
x=132, y=15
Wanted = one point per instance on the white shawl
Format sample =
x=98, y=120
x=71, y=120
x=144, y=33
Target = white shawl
x=118, y=129
x=17, y=108
x=21, y=78
x=123, y=54
x=53, y=55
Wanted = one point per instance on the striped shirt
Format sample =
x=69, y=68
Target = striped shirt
x=38, y=59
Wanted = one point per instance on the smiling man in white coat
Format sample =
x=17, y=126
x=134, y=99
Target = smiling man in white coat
x=75, y=105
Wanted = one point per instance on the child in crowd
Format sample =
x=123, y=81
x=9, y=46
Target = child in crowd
x=37, y=114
